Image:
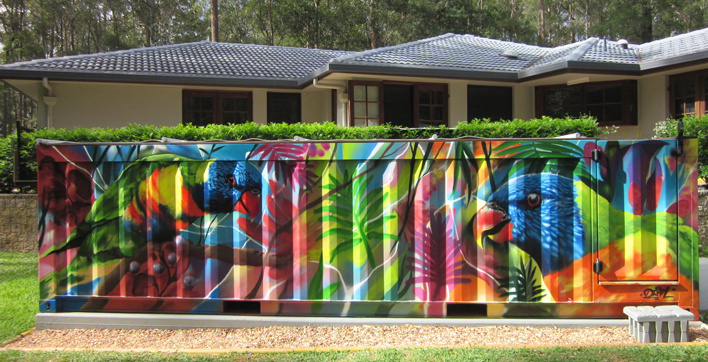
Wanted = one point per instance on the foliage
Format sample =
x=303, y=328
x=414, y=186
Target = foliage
x=18, y=293
x=36, y=29
x=693, y=127
x=544, y=127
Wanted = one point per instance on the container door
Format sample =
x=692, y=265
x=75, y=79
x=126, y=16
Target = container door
x=636, y=231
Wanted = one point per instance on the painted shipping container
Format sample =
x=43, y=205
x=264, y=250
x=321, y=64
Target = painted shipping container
x=552, y=228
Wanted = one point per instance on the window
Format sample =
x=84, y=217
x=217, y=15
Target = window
x=610, y=102
x=400, y=104
x=431, y=105
x=365, y=105
x=284, y=107
x=489, y=102
x=203, y=108
x=688, y=94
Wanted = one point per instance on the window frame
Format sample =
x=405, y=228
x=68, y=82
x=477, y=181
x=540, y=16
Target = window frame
x=217, y=107
x=629, y=102
x=700, y=79
x=431, y=87
x=417, y=87
x=352, y=101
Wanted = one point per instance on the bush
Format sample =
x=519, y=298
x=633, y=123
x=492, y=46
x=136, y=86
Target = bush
x=544, y=127
x=693, y=127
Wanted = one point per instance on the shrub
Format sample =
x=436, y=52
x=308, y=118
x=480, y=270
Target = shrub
x=544, y=127
x=693, y=127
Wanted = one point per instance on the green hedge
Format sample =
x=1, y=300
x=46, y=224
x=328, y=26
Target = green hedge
x=694, y=127
x=544, y=127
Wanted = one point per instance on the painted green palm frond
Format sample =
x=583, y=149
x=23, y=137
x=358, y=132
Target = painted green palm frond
x=339, y=208
x=208, y=153
x=545, y=149
x=465, y=162
x=368, y=217
x=315, y=290
x=527, y=157
x=522, y=284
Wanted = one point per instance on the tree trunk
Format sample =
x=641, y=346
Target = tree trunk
x=215, y=20
x=542, y=30
x=373, y=33
x=587, y=18
x=646, y=30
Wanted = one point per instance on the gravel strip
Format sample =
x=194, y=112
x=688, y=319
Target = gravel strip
x=288, y=338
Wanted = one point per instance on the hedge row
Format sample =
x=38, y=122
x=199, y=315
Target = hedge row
x=693, y=127
x=543, y=127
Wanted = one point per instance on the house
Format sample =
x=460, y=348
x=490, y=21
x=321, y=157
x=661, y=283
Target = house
x=441, y=80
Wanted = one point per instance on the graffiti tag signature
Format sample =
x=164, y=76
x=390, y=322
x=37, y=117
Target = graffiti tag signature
x=655, y=293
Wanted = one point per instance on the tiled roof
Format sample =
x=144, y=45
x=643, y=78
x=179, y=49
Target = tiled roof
x=201, y=60
x=448, y=55
x=450, y=51
x=608, y=51
x=663, y=51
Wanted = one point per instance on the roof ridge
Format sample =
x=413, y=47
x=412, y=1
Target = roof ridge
x=392, y=47
x=279, y=46
x=503, y=41
x=583, y=48
x=98, y=55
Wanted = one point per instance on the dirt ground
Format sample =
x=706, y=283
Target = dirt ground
x=323, y=338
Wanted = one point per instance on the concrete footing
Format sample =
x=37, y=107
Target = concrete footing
x=187, y=321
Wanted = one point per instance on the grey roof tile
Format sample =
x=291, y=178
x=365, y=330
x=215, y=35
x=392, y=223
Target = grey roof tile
x=448, y=55
x=201, y=59
x=609, y=51
x=683, y=45
x=450, y=51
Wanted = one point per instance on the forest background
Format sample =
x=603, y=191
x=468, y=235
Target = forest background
x=35, y=29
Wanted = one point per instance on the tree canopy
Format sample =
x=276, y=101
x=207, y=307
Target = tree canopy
x=32, y=29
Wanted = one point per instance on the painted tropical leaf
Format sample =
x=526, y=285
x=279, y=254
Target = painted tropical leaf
x=465, y=163
x=535, y=149
x=523, y=285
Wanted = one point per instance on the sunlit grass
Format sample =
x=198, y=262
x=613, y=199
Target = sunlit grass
x=19, y=293
x=650, y=352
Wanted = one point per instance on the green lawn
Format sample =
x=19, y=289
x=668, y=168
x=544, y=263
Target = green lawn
x=18, y=305
x=19, y=293
x=634, y=353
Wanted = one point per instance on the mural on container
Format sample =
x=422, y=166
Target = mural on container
x=175, y=227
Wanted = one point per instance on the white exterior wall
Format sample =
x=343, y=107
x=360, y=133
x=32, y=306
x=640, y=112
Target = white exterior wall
x=523, y=102
x=653, y=103
x=316, y=106
x=457, y=103
x=260, y=106
x=115, y=105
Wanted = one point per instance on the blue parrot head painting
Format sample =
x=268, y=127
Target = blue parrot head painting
x=362, y=228
x=232, y=186
x=538, y=214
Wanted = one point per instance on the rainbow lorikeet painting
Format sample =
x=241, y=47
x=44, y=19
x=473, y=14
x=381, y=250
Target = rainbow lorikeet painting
x=541, y=215
x=152, y=201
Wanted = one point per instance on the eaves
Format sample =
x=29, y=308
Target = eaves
x=152, y=78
